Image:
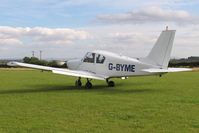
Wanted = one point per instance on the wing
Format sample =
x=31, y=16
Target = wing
x=76, y=73
x=156, y=70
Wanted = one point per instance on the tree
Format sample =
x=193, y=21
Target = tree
x=26, y=60
x=34, y=60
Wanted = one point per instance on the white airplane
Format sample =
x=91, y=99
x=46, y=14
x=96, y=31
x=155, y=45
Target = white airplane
x=103, y=65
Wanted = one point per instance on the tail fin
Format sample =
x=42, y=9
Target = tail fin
x=161, y=52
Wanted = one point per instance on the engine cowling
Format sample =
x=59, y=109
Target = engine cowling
x=73, y=64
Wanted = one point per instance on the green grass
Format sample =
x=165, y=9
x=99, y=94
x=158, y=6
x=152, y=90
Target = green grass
x=32, y=101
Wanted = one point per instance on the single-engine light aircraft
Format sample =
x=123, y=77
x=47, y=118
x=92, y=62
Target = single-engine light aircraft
x=103, y=65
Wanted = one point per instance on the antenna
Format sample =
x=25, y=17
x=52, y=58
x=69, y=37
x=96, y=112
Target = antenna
x=40, y=54
x=33, y=53
x=167, y=27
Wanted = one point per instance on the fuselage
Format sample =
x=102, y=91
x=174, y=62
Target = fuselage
x=110, y=64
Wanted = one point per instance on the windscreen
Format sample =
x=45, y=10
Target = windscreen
x=90, y=57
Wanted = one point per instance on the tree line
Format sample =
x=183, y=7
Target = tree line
x=36, y=61
x=184, y=64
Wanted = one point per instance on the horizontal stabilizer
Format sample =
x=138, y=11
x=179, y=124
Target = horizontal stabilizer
x=156, y=70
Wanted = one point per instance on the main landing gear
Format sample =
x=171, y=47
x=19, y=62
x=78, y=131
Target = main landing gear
x=78, y=83
x=110, y=83
x=89, y=85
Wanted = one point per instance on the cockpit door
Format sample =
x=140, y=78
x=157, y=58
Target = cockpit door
x=100, y=65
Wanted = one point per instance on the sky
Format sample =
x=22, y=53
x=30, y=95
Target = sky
x=69, y=28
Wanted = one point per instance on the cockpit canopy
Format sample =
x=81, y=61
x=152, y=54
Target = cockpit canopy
x=94, y=58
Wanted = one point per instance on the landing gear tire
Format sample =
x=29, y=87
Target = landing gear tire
x=88, y=84
x=111, y=84
x=78, y=83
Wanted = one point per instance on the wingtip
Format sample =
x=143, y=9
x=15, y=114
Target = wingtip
x=11, y=63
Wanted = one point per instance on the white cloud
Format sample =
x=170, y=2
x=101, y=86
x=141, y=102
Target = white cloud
x=130, y=40
x=130, y=27
x=10, y=41
x=40, y=35
x=19, y=42
x=150, y=14
x=137, y=40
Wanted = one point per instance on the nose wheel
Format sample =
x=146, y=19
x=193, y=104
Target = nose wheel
x=110, y=83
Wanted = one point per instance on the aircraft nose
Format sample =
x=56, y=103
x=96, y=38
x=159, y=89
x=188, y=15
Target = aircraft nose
x=73, y=64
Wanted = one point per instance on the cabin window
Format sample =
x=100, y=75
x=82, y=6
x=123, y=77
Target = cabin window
x=100, y=59
x=90, y=58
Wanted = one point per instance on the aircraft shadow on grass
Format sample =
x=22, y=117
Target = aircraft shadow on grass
x=134, y=88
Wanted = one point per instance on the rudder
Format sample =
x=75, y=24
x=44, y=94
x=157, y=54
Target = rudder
x=161, y=52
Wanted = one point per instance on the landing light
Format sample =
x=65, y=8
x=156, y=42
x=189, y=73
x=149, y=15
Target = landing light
x=124, y=77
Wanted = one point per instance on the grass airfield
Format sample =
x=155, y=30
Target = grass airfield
x=35, y=101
